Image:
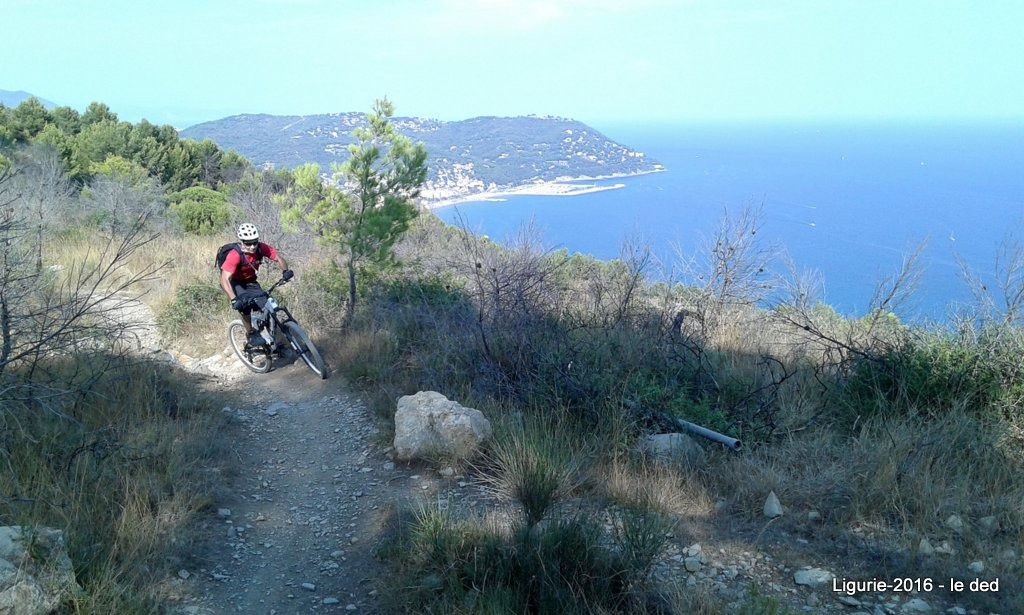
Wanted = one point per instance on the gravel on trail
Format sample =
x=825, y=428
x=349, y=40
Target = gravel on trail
x=308, y=486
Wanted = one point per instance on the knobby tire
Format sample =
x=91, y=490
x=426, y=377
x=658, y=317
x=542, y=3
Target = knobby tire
x=305, y=348
x=258, y=361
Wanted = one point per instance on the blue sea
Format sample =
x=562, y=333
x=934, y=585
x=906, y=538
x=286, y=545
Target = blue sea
x=847, y=201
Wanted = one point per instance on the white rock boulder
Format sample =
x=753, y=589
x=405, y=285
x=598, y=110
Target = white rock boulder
x=429, y=424
x=675, y=446
x=813, y=577
x=36, y=575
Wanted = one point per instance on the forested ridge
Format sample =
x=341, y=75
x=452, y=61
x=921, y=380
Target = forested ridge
x=96, y=142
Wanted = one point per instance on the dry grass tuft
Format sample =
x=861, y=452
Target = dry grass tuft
x=660, y=487
x=536, y=463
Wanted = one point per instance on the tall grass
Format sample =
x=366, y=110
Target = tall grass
x=536, y=464
x=122, y=465
x=565, y=565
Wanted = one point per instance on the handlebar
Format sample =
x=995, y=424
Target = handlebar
x=280, y=282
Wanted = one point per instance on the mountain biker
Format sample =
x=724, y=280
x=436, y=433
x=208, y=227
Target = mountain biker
x=238, y=278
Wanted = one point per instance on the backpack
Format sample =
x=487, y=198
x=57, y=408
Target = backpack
x=222, y=253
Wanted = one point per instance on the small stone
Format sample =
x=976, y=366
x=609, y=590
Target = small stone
x=224, y=513
x=330, y=601
x=276, y=407
x=945, y=548
x=977, y=567
x=692, y=564
x=813, y=515
x=957, y=610
x=232, y=532
x=309, y=587
x=849, y=601
x=693, y=550
x=389, y=465
x=813, y=577
x=925, y=548
x=447, y=472
x=337, y=554
x=772, y=506
x=184, y=574
x=916, y=605
x=990, y=523
x=350, y=607
x=461, y=483
x=955, y=523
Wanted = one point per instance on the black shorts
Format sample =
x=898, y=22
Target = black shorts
x=248, y=290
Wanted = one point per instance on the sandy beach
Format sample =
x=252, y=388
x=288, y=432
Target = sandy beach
x=540, y=189
x=560, y=187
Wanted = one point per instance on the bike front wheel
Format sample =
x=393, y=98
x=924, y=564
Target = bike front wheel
x=304, y=348
x=257, y=359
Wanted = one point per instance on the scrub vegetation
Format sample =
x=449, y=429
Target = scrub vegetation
x=873, y=422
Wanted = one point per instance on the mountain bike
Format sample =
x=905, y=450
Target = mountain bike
x=279, y=329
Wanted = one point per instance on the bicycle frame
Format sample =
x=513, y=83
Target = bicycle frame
x=266, y=318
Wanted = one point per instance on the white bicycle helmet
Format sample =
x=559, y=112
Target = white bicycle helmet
x=248, y=232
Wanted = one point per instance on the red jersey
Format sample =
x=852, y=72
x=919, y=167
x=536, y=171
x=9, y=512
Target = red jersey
x=246, y=272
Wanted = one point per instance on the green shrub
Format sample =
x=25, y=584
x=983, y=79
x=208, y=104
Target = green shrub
x=192, y=303
x=640, y=536
x=701, y=411
x=202, y=211
x=929, y=375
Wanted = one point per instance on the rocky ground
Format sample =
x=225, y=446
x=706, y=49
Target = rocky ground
x=310, y=484
x=310, y=487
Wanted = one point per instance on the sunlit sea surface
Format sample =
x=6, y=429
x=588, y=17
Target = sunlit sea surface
x=847, y=201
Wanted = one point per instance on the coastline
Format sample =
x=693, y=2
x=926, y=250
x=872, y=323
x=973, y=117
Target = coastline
x=558, y=187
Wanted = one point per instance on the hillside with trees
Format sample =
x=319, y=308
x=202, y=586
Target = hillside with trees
x=465, y=157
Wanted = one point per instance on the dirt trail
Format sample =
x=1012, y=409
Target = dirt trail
x=308, y=485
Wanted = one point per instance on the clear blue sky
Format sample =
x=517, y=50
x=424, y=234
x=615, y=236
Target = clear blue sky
x=599, y=61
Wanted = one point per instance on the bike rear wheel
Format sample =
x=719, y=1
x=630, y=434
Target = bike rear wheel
x=304, y=348
x=257, y=359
